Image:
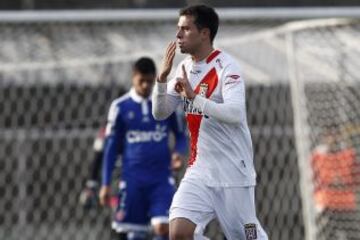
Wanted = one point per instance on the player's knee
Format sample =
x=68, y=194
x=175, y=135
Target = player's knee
x=161, y=229
x=181, y=229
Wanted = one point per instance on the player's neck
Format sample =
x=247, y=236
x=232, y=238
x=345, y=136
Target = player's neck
x=202, y=53
x=139, y=95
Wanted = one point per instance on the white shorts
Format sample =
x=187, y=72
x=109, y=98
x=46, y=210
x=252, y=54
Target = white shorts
x=234, y=207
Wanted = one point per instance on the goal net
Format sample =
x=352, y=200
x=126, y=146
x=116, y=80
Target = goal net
x=60, y=71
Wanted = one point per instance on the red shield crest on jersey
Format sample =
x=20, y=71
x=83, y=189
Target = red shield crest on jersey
x=203, y=89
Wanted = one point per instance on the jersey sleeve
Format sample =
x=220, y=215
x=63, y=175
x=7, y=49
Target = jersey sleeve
x=114, y=135
x=165, y=99
x=232, y=109
x=177, y=126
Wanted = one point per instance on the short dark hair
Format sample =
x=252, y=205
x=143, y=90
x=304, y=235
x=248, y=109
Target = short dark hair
x=204, y=17
x=144, y=65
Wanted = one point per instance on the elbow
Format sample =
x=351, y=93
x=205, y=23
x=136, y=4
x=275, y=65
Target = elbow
x=233, y=120
x=237, y=114
x=236, y=121
x=158, y=115
x=157, y=111
x=239, y=118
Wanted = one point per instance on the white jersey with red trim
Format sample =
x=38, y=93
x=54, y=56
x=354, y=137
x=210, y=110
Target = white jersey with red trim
x=221, y=147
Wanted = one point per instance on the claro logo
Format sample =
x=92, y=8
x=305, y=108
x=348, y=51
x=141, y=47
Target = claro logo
x=136, y=136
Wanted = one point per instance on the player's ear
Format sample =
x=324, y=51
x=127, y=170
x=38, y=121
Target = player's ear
x=205, y=33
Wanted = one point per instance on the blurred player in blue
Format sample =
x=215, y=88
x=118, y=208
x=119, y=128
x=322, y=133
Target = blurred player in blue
x=146, y=186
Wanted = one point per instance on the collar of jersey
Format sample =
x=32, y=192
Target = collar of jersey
x=136, y=97
x=208, y=59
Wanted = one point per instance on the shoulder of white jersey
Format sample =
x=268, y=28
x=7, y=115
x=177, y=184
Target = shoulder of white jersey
x=224, y=60
x=228, y=68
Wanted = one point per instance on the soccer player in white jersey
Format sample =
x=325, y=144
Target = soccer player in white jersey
x=220, y=180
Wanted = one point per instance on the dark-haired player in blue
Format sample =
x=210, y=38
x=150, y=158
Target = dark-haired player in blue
x=146, y=187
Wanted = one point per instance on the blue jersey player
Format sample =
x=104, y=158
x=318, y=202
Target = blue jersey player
x=146, y=187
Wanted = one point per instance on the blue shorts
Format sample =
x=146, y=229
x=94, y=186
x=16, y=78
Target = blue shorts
x=139, y=204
